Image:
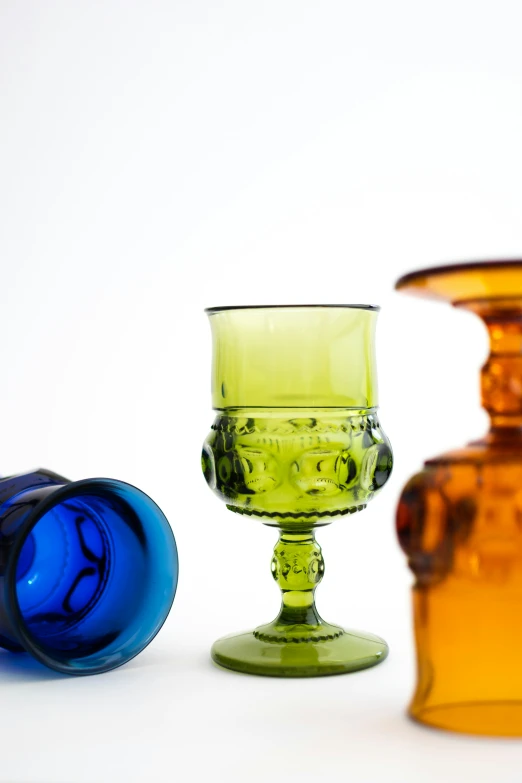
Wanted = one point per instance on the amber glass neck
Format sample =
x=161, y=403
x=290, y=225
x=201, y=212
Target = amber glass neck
x=493, y=291
x=501, y=375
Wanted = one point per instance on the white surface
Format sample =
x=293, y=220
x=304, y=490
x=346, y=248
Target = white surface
x=160, y=157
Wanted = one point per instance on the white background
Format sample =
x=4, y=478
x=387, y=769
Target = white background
x=160, y=157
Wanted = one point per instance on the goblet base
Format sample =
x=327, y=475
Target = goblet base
x=276, y=650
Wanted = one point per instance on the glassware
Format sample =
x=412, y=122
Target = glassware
x=88, y=571
x=296, y=443
x=460, y=523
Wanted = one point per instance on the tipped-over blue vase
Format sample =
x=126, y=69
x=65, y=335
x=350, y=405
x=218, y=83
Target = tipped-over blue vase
x=88, y=571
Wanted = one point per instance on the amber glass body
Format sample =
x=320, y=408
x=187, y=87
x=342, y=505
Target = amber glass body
x=460, y=523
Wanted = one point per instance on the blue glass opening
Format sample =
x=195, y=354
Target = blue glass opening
x=95, y=577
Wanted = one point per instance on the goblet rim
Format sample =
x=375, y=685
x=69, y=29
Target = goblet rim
x=220, y=309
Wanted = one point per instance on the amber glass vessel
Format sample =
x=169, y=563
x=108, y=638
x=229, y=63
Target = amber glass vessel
x=460, y=523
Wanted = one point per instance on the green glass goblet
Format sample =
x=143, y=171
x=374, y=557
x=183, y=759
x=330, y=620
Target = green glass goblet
x=297, y=443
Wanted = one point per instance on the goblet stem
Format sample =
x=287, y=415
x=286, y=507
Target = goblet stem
x=298, y=567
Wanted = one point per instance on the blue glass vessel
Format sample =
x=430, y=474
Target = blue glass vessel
x=88, y=570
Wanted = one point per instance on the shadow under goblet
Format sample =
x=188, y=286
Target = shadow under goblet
x=296, y=443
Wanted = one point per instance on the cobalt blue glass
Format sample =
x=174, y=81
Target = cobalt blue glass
x=88, y=570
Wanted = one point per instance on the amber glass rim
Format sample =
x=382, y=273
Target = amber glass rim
x=214, y=310
x=443, y=269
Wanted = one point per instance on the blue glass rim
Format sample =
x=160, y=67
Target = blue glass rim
x=84, y=487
